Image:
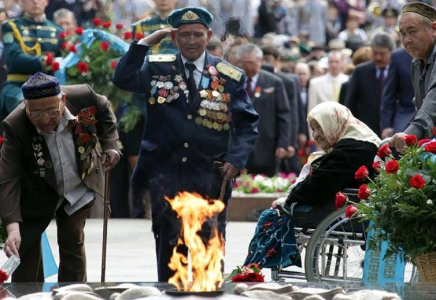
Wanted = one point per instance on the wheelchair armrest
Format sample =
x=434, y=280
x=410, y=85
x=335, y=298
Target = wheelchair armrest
x=351, y=191
x=287, y=211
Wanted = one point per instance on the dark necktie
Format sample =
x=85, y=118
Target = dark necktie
x=191, y=80
x=248, y=87
x=381, y=80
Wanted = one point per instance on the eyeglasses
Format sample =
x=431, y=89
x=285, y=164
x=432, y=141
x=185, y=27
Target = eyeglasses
x=37, y=115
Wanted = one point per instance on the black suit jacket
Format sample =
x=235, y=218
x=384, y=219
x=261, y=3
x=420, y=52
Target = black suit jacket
x=273, y=108
x=397, y=108
x=363, y=97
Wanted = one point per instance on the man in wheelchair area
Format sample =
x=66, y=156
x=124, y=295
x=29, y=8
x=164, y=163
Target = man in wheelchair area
x=346, y=144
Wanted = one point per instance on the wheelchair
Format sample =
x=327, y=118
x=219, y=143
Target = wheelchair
x=334, y=247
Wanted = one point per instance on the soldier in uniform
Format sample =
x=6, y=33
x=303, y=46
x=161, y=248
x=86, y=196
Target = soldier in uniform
x=198, y=113
x=27, y=41
x=155, y=21
x=390, y=24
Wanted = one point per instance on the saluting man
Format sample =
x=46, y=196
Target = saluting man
x=198, y=113
x=27, y=40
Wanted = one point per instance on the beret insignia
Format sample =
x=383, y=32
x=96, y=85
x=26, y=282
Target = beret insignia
x=162, y=58
x=229, y=71
x=190, y=16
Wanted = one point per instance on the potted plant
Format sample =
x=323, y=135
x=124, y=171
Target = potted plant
x=401, y=202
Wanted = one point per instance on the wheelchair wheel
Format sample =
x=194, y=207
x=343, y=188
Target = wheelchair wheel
x=336, y=250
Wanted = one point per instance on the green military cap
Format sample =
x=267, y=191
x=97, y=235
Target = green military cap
x=190, y=15
x=422, y=9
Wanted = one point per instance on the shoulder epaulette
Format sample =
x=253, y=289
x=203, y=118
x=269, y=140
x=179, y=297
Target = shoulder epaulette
x=229, y=71
x=161, y=58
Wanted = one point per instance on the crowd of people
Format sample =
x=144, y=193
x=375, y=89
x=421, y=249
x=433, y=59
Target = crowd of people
x=228, y=86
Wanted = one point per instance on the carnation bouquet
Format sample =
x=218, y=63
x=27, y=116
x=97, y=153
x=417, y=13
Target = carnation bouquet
x=90, y=56
x=249, y=273
x=401, y=199
x=253, y=184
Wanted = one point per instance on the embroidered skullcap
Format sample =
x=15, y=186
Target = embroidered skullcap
x=422, y=9
x=190, y=15
x=41, y=86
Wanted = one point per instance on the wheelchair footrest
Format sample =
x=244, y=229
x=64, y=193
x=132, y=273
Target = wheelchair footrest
x=291, y=274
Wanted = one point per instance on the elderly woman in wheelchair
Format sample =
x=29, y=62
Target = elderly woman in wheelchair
x=346, y=144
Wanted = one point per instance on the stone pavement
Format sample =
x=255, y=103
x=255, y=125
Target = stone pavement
x=131, y=253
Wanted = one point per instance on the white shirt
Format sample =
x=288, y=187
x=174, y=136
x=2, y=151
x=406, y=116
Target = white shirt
x=63, y=154
x=199, y=66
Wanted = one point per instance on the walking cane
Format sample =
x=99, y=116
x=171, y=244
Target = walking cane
x=105, y=221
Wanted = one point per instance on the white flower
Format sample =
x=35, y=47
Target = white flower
x=429, y=202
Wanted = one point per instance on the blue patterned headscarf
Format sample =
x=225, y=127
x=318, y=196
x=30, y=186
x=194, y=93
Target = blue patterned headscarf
x=274, y=242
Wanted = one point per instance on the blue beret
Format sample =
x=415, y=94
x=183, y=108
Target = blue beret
x=41, y=86
x=190, y=15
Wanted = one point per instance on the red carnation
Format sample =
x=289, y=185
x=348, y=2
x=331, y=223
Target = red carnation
x=3, y=276
x=1, y=140
x=64, y=45
x=410, y=140
x=431, y=147
x=104, y=46
x=376, y=166
x=63, y=35
x=422, y=142
x=350, y=211
x=361, y=173
x=54, y=66
x=254, y=277
x=138, y=36
x=363, y=192
x=82, y=67
x=417, y=182
x=48, y=59
x=239, y=278
x=434, y=131
x=119, y=26
x=114, y=64
x=72, y=49
x=384, y=151
x=79, y=30
x=96, y=21
x=107, y=24
x=127, y=35
x=392, y=167
x=340, y=200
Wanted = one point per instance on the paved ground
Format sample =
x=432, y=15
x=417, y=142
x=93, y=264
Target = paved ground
x=130, y=249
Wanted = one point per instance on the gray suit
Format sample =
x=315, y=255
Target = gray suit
x=424, y=85
x=272, y=105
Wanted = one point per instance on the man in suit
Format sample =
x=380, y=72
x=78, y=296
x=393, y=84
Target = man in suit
x=50, y=166
x=271, y=103
x=198, y=113
x=291, y=82
x=417, y=29
x=327, y=87
x=397, y=108
x=366, y=85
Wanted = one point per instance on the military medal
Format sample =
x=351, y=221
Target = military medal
x=178, y=78
x=203, y=94
x=199, y=120
x=212, y=71
x=221, y=88
x=215, y=94
x=161, y=100
x=226, y=126
x=40, y=161
x=202, y=112
x=81, y=149
x=257, y=92
x=48, y=164
x=151, y=100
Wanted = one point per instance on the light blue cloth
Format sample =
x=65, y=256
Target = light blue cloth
x=50, y=266
x=88, y=37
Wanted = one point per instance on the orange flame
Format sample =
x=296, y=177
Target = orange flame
x=205, y=259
